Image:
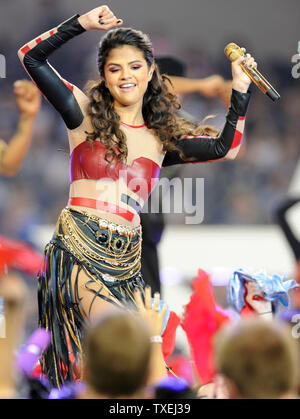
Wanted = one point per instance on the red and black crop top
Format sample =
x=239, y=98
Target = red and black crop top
x=87, y=161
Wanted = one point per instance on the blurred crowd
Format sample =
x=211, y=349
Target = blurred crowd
x=249, y=350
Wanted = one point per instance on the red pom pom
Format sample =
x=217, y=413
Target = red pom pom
x=202, y=319
x=169, y=335
x=17, y=255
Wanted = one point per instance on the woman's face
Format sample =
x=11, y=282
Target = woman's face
x=127, y=75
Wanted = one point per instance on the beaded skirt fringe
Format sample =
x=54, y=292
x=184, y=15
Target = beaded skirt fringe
x=109, y=254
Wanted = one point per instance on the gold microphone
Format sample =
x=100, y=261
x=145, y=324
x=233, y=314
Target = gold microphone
x=233, y=51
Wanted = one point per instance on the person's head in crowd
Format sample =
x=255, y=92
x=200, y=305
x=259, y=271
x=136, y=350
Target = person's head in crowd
x=14, y=298
x=171, y=66
x=292, y=318
x=117, y=348
x=257, y=359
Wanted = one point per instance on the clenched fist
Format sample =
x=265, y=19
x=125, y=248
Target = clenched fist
x=100, y=18
x=28, y=97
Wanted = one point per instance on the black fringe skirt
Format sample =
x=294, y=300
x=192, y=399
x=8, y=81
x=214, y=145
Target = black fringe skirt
x=110, y=256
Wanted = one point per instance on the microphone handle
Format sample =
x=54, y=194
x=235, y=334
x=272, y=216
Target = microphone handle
x=261, y=82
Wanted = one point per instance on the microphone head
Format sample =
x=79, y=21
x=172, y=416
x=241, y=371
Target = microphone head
x=32, y=350
x=272, y=94
x=233, y=51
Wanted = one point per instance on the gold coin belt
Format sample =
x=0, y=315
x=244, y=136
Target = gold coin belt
x=85, y=249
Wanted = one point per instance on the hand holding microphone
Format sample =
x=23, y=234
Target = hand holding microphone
x=244, y=70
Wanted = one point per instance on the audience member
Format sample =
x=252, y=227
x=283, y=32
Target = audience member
x=257, y=359
x=13, y=292
x=118, y=353
x=123, y=351
x=28, y=100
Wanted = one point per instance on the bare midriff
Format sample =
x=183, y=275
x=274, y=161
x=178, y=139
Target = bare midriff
x=105, y=191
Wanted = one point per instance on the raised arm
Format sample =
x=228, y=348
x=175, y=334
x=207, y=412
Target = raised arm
x=212, y=86
x=154, y=319
x=227, y=145
x=28, y=100
x=68, y=100
x=57, y=91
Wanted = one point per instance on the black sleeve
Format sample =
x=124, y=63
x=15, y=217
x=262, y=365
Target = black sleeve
x=58, y=92
x=281, y=215
x=201, y=149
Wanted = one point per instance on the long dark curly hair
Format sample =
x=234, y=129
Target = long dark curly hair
x=159, y=105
